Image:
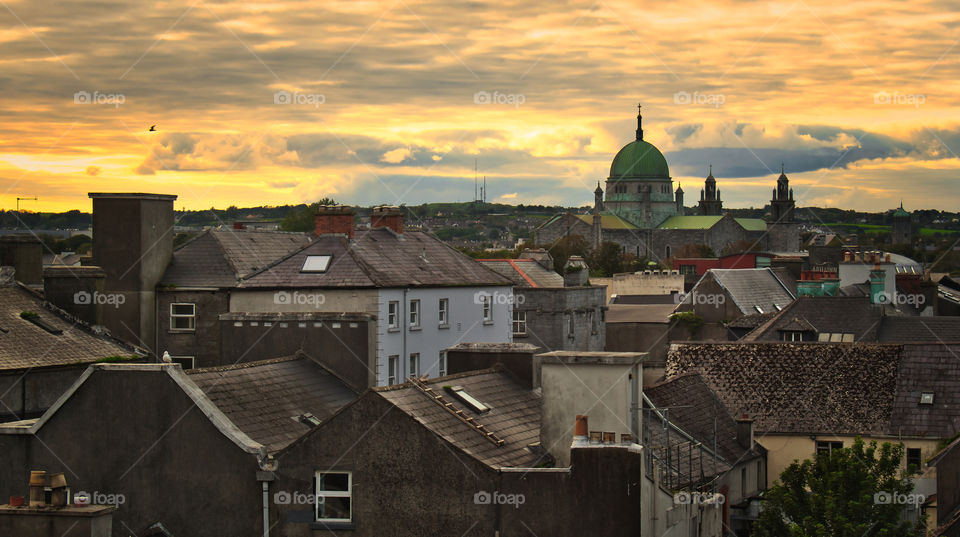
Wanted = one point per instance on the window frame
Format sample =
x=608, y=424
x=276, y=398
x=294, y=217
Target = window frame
x=443, y=313
x=919, y=458
x=393, y=317
x=193, y=361
x=826, y=447
x=413, y=314
x=414, y=359
x=519, y=319
x=192, y=317
x=442, y=364
x=393, y=365
x=487, y=301
x=317, y=494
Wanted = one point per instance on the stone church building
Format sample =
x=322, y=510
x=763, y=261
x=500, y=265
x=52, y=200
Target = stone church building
x=644, y=215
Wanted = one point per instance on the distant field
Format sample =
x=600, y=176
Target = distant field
x=875, y=228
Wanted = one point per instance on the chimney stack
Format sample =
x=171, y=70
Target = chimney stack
x=76, y=290
x=333, y=220
x=745, y=432
x=25, y=254
x=387, y=216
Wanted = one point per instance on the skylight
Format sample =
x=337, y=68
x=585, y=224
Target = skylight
x=926, y=398
x=316, y=263
x=759, y=309
x=467, y=399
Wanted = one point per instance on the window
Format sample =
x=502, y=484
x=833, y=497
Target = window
x=592, y=320
x=333, y=494
x=825, y=448
x=758, y=308
x=414, y=314
x=743, y=482
x=926, y=398
x=467, y=399
x=186, y=362
x=913, y=459
x=392, y=363
x=443, y=309
x=519, y=323
x=668, y=251
x=687, y=269
x=791, y=335
x=316, y=263
x=414, y=369
x=571, y=325
x=487, y=308
x=393, y=315
x=443, y=363
x=183, y=317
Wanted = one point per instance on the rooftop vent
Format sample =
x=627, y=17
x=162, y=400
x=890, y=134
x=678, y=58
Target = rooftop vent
x=308, y=419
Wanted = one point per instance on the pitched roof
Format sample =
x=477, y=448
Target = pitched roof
x=849, y=315
x=219, y=258
x=378, y=258
x=693, y=406
x=607, y=221
x=514, y=416
x=831, y=388
x=904, y=329
x=265, y=399
x=524, y=272
x=707, y=222
x=752, y=288
x=24, y=344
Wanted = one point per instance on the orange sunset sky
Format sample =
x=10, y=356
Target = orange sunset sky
x=386, y=102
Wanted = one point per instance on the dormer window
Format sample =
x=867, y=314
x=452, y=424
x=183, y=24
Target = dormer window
x=316, y=263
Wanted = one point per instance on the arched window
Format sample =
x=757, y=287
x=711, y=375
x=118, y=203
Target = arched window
x=668, y=250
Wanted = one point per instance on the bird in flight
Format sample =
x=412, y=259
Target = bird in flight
x=153, y=128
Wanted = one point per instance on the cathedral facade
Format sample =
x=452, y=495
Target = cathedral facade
x=640, y=211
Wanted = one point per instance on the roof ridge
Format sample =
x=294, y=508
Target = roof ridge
x=242, y=365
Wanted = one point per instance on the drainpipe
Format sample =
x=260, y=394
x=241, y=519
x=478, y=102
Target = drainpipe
x=268, y=465
x=401, y=363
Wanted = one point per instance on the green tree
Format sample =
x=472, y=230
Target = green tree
x=607, y=260
x=841, y=494
x=565, y=247
x=302, y=220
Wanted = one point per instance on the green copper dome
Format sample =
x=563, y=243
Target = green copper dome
x=639, y=159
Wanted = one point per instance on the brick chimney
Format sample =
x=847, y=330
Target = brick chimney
x=745, y=432
x=334, y=219
x=387, y=216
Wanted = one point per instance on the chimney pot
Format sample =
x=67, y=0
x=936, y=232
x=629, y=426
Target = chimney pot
x=626, y=438
x=596, y=437
x=580, y=428
x=609, y=437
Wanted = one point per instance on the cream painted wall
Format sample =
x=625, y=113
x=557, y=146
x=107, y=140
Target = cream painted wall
x=784, y=449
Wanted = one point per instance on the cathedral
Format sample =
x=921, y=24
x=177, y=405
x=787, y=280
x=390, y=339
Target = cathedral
x=642, y=212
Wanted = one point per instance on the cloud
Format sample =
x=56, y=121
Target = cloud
x=93, y=171
x=396, y=156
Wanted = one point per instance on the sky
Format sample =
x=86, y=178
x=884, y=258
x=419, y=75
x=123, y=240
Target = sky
x=396, y=102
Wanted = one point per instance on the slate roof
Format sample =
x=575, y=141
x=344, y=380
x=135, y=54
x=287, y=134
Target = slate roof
x=829, y=314
x=219, y=258
x=749, y=288
x=692, y=406
x=25, y=345
x=264, y=399
x=514, y=416
x=752, y=321
x=818, y=388
x=524, y=272
x=378, y=258
x=902, y=329
x=640, y=313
